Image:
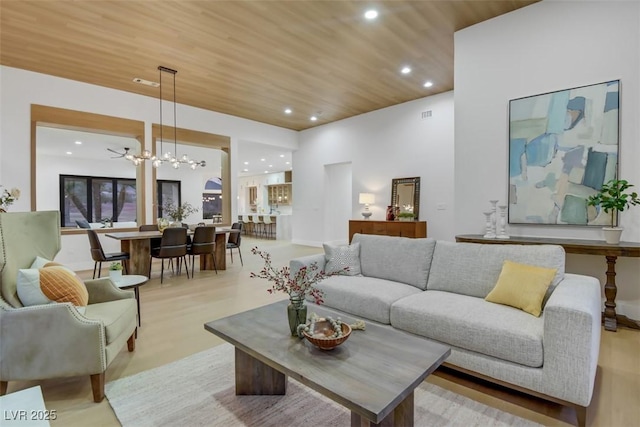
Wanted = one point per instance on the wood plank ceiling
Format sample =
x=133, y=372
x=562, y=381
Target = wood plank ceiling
x=250, y=59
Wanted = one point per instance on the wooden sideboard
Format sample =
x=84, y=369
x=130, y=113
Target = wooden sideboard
x=412, y=229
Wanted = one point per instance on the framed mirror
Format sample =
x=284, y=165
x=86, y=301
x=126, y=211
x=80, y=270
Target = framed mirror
x=405, y=195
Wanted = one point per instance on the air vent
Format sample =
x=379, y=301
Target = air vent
x=425, y=114
x=146, y=82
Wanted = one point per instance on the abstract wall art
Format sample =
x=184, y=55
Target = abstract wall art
x=563, y=146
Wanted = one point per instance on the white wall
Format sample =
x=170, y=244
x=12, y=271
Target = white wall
x=545, y=47
x=22, y=88
x=393, y=142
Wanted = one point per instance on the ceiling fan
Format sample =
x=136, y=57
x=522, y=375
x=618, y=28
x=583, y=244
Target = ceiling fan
x=119, y=155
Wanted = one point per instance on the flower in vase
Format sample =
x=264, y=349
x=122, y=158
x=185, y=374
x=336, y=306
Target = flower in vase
x=299, y=285
x=7, y=197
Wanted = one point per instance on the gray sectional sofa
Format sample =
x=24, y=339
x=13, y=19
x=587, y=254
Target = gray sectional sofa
x=436, y=289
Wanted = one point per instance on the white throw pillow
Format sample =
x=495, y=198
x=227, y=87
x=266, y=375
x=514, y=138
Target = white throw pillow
x=339, y=257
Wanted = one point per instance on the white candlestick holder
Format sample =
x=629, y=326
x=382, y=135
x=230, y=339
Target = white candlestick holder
x=502, y=234
x=493, y=216
x=489, y=233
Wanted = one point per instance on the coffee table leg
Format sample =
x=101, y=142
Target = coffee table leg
x=256, y=378
x=402, y=415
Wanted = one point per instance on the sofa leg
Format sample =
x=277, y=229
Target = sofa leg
x=131, y=342
x=3, y=387
x=581, y=414
x=97, y=386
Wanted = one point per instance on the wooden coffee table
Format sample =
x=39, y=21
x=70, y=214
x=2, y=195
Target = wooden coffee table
x=373, y=374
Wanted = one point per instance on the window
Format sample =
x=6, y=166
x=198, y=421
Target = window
x=97, y=199
x=168, y=190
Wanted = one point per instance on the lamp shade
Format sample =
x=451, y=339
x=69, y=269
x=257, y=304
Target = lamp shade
x=366, y=198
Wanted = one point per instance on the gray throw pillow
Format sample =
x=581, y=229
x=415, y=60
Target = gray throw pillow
x=339, y=257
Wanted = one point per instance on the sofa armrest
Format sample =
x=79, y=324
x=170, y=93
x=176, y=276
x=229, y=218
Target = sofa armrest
x=49, y=341
x=306, y=261
x=103, y=290
x=572, y=319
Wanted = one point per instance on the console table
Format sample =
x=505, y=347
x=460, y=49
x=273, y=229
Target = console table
x=414, y=229
x=585, y=247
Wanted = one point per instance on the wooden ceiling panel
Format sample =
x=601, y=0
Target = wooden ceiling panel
x=248, y=58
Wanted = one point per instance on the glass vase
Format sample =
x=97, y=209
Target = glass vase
x=297, y=313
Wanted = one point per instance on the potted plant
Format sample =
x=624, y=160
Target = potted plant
x=178, y=212
x=612, y=198
x=115, y=271
x=405, y=216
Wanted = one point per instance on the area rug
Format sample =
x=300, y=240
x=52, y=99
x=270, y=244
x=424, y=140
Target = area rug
x=200, y=391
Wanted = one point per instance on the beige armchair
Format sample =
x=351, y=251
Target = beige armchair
x=56, y=340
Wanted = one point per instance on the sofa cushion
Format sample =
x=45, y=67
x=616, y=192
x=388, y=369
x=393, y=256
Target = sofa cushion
x=400, y=259
x=472, y=324
x=361, y=296
x=340, y=257
x=116, y=316
x=473, y=269
x=522, y=286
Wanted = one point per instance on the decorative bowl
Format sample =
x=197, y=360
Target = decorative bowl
x=320, y=336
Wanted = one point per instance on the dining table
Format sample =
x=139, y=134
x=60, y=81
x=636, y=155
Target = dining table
x=138, y=245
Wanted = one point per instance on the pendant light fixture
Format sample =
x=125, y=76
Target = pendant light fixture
x=166, y=156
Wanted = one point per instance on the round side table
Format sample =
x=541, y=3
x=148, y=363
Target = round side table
x=134, y=281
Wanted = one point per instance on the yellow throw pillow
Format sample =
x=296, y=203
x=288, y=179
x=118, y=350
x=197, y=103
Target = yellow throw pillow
x=53, y=283
x=522, y=286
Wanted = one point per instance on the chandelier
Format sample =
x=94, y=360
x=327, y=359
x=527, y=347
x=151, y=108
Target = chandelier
x=166, y=157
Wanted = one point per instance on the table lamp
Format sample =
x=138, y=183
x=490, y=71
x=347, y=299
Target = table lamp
x=366, y=199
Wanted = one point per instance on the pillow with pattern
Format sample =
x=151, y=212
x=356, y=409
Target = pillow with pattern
x=52, y=283
x=339, y=257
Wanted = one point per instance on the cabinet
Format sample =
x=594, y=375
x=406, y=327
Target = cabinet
x=279, y=194
x=414, y=229
x=253, y=197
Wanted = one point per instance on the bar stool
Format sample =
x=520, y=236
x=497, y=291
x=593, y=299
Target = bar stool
x=268, y=226
x=257, y=225
x=248, y=226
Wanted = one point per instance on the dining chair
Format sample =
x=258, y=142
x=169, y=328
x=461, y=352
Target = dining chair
x=172, y=245
x=234, y=240
x=98, y=255
x=155, y=241
x=203, y=244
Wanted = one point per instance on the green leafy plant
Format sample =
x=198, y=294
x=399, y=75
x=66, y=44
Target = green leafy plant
x=178, y=212
x=405, y=215
x=115, y=266
x=613, y=197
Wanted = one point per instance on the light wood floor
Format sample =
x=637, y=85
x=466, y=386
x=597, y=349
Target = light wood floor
x=173, y=315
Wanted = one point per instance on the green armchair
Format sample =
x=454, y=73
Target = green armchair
x=55, y=340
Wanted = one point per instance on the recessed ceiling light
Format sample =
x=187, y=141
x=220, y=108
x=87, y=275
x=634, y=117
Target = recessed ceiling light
x=246, y=163
x=281, y=155
x=262, y=160
x=245, y=170
x=405, y=70
x=78, y=142
x=428, y=84
x=371, y=14
x=287, y=163
x=266, y=171
x=69, y=152
x=146, y=82
x=270, y=166
x=288, y=111
x=313, y=118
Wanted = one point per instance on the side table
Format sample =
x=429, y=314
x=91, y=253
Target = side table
x=134, y=281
